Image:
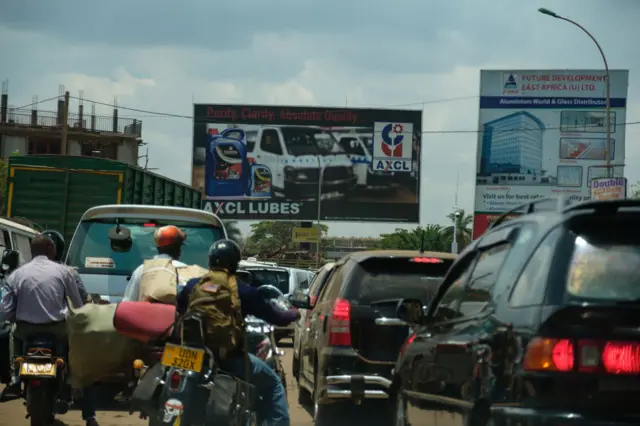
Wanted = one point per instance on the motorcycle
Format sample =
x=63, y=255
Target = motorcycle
x=261, y=335
x=186, y=389
x=194, y=392
x=43, y=372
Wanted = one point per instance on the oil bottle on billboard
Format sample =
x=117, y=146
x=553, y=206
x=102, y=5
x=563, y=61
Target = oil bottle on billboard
x=232, y=174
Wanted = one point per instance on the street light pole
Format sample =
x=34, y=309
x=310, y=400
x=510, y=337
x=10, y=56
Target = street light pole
x=607, y=88
x=454, y=241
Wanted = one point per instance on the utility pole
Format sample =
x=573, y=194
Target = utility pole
x=65, y=124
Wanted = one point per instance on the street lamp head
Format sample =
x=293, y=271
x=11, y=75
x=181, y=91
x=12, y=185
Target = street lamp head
x=547, y=12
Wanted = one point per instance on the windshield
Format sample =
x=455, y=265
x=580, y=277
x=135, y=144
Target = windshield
x=606, y=263
x=91, y=251
x=275, y=277
x=398, y=278
x=310, y=141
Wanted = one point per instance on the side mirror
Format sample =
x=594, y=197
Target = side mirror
x=10, y=261
x=300, y=300
x=245, y=276
x=120, y=238
x=411, y=311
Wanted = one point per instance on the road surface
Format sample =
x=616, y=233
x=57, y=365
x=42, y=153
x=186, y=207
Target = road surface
x=12, y=413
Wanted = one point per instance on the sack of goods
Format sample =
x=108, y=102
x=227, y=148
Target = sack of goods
x=96, y=349
x=160, y=280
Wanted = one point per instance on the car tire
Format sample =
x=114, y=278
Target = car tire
x=323, y=414
x=295, y=368
x=398, y=410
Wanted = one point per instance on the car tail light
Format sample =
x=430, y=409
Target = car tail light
x=407, y=343
x=339, y=324
x=585, y=356
x=174, y=380
x=426, y=260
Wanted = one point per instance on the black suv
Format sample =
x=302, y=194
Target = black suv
x=353, y=335
x=537, y=322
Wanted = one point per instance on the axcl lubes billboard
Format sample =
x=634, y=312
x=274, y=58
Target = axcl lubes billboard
x=275, y=162
x=543, y=133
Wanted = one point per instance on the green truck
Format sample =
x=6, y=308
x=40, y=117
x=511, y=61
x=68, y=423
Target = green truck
x=53, y=191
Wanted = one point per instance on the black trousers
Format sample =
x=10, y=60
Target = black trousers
x=5, y=359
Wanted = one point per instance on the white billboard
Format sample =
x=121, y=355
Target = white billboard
x=542, y=133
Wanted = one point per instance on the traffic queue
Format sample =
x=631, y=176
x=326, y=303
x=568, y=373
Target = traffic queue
x=535, y=322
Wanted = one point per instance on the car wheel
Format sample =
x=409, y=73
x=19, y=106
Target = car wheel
x=323, y=414
x=399, y=410
x=295, y=368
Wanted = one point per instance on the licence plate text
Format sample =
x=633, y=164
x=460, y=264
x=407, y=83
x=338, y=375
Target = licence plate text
x=183, y=357
x=37, y=369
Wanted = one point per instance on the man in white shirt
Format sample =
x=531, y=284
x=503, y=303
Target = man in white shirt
x=168, y=241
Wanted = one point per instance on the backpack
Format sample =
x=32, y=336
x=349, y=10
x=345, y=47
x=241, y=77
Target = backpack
x=215, y=298
x=159, y=281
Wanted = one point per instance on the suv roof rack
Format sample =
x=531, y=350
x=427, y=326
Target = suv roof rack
x=559, y=203
x=603, y=207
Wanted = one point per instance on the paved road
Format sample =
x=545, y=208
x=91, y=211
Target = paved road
x=12, y=413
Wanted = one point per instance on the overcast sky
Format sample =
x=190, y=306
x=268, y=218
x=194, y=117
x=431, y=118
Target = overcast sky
x=163, y=55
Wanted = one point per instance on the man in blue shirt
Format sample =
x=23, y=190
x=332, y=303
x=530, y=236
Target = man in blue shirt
x=272, y=408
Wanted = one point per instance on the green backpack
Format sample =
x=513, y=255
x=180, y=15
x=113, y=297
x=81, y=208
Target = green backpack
x=215, y=297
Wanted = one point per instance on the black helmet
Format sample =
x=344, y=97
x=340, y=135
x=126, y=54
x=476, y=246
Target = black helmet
x=225, y=254
x=58, y=241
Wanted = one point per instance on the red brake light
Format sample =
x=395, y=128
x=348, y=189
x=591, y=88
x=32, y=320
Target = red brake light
x=149, y=225
x=339, y=324
x=621, y=358
x=407, y=343
x=426, y=260
x=174, y=381
x=560, y=355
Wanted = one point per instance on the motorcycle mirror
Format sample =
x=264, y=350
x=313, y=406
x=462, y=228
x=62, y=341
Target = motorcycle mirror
x=10, y=261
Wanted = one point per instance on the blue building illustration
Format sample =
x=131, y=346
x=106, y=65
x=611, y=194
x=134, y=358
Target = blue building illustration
x=513, y=145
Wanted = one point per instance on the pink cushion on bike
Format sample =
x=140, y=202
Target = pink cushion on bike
x=144, y=321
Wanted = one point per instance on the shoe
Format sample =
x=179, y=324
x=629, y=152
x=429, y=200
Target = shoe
x=92, y=422
x=12, y=390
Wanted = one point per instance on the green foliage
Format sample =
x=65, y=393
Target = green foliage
x=436, y=237
x=270, y=238
x=233, y=232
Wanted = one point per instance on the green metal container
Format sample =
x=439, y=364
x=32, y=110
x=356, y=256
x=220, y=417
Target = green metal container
x=54, y=191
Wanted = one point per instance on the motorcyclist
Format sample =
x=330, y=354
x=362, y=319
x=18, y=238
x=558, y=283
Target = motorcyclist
x=168, y=240
x=272, y=408
x=58, y=241
x=36, y=302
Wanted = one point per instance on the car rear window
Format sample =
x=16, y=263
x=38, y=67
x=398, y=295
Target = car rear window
x=380, y=279
x=275, y=277
x=605, y=263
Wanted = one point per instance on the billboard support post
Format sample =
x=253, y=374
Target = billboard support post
x=607, y=87
x=320, y=179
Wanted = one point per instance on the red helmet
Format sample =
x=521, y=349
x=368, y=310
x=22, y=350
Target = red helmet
x=169, y=235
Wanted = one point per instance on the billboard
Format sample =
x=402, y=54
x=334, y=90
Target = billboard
x=605, y=189
x=543, y=133
x=275, y=162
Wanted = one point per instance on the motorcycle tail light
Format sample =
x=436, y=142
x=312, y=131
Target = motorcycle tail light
x=174, y=380
x=34, y=383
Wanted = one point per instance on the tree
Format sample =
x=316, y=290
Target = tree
x=634, y=191
x=270, y=238
x=403, y=239
x=233, y=232
x=3, y=184
x=464, y=232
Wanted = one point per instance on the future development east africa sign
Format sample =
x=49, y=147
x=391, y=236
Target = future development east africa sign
x=273, y=162
x=543, y=133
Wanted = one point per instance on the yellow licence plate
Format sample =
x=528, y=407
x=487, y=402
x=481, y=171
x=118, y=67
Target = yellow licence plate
x=37, y=369
x=183, y=357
